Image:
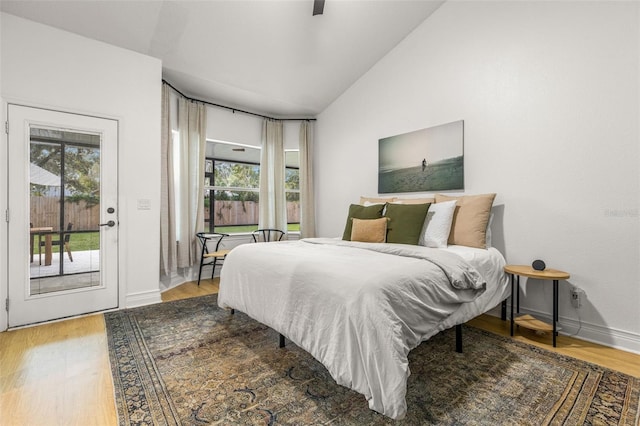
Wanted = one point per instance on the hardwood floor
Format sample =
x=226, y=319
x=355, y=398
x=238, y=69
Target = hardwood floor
x=605, y=356
x=59, y=373
x=191, y=289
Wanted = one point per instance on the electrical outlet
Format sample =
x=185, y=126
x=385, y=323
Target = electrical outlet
x=577, y=295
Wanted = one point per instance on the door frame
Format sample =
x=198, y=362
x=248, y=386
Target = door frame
x=4, y=197
x=4, y=228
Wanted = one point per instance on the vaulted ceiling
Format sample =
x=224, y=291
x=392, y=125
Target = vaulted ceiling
x=267, y=56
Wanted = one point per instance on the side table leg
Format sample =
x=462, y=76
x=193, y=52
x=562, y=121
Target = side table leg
x=555, y=311
x=518, y=295
x=512, y=301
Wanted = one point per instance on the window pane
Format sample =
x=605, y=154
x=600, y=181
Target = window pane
x=65, y=210
x=293, y=207
x=292, y=188
x=292, y=179
x=236, y=175
x=232, y=208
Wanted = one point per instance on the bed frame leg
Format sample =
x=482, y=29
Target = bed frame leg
x=459, y=338
x=503, y=311
x=281, y=341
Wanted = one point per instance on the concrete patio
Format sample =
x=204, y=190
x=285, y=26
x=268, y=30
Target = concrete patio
x=82, y=272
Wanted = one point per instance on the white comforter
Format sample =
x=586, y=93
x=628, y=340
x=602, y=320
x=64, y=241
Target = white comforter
x=358, y=308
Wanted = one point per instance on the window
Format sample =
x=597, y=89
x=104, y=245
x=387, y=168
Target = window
x=292, y=188
x=232, y=188
x=233, y=193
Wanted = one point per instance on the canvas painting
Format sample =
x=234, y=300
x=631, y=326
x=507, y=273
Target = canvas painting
x=430, y=159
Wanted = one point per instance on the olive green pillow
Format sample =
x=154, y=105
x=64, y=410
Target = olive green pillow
x=361, y=212
x=405, y=222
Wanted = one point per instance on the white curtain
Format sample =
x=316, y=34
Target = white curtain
x=273, y=205
x=307, y=205
x=192, y=129
x=168, y=254
x=182, y=204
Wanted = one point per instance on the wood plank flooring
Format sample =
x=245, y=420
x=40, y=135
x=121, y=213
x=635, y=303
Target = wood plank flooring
x=605, y=356
x=59, y=373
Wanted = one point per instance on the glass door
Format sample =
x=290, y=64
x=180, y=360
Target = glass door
x=64, y=170
x=62, y=178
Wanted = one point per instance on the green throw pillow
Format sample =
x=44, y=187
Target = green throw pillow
x=361, y=212
x=405, y=222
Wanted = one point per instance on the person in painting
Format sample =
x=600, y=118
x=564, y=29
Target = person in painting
x=424, y=164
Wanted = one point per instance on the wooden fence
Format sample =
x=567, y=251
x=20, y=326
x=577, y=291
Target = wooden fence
x=246, y=212
x=45, y=211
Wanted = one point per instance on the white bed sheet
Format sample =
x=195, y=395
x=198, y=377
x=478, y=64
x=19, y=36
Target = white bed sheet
x=490, y=264
x=318, y=293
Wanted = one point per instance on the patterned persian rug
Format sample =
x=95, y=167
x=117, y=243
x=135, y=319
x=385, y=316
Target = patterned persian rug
x=191, y=363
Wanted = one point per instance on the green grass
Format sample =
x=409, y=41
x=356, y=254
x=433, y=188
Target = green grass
x=79, y=242
x=89, y=241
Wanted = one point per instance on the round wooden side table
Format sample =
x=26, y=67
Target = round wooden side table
x=528, y=321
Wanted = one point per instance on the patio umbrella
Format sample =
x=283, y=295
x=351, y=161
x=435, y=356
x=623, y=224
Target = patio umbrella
x=40, y=176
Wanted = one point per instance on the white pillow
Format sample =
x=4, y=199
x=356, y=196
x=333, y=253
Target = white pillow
x=437, y=224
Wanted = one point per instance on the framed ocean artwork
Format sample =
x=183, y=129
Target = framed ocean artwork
x=430, y=159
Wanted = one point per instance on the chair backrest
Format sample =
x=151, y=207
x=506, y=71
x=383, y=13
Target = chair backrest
x=205, y=237
x=267, y=235
x=66, y=237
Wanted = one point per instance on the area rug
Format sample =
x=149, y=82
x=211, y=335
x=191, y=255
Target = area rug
x=191, y=363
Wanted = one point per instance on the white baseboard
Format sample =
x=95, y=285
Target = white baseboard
x=618, y=339
x=175, y=279
x=143, y=298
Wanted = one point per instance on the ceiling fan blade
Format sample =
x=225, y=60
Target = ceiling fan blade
x=318, y=7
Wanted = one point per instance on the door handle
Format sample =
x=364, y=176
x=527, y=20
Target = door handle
x=110, y=224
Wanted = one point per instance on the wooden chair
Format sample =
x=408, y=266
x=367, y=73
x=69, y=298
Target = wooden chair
x=65, y=242
x=208, y=257
x=267, y=235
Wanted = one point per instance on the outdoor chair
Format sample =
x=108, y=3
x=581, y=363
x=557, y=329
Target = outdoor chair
x=65, y=242
x=208, y=257
x=267, y=235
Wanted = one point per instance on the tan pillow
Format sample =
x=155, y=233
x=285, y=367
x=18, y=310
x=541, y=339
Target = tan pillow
x=369, y=230
x=470, y=219
x=373, y=200
x=414, y=200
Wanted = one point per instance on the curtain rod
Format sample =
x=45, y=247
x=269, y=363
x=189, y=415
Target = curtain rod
x=233, y=109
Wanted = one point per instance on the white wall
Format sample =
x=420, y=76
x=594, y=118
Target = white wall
x=46, y=67
x=549, y=92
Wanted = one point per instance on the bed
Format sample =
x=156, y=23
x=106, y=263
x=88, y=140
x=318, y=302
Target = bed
x=360, y=307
